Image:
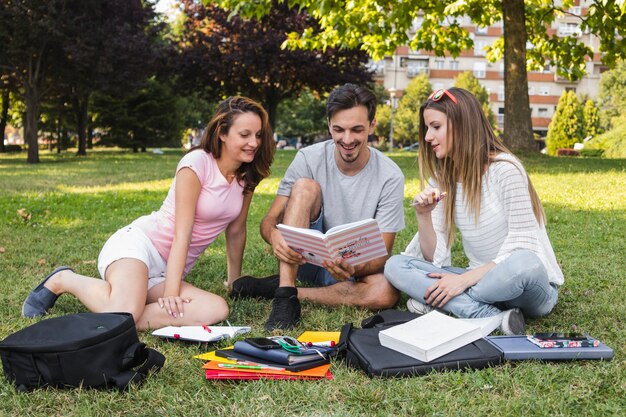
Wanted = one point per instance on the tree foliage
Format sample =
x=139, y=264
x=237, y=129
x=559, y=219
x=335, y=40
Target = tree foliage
x=228, y=55
x=567, y=126
x=380, y=26
x=149, y=116
x=406, y=119
x=469, y=82
x=66, y=49
x=591, y=116
x=613, y=91
x=303, y=116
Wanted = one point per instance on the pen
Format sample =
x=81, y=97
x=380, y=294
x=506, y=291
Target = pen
x=259, y=367
x=438, y=199
x=329, y=343
x=207, y=328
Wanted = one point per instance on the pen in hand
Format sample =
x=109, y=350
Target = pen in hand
x=438, y=199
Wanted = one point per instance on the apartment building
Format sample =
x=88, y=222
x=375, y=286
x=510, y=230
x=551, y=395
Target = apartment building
x=544, y=88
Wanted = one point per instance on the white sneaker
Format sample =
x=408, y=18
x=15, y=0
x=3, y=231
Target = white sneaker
x=513, y=322
x=416, y=307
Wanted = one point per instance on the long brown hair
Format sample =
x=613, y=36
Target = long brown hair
x=250, y=173
x=474, y=146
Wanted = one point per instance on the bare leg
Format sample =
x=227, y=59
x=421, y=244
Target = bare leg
x=125, y=289
x=373, y=292
x=204, y=308
x=303, y=206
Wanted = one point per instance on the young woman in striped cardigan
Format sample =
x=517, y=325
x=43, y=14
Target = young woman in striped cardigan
x=476, y=185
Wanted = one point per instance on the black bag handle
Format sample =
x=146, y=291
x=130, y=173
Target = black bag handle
x=154, y=362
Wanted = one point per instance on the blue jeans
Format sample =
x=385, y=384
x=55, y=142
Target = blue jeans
x=519, y=281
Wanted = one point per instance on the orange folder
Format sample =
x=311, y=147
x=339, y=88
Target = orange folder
x=317, y=372
x=234, y=374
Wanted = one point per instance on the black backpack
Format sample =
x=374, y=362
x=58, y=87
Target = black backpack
x=97, y=350
x=362, y=350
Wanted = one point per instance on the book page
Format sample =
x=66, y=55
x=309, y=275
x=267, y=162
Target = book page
x=200, y=333
x=358, y=243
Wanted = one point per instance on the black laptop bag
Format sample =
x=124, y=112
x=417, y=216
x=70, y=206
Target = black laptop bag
x=363, y=350
x=100, y=350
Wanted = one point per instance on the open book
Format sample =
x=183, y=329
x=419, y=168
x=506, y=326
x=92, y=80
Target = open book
x=356, y=242
x=430, y=336
x=200, y=333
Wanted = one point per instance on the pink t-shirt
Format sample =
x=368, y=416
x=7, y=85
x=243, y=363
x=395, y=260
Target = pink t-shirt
x=218, y=205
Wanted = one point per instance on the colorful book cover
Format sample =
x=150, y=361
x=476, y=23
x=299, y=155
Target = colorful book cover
x=355, y=243
x=564, y=343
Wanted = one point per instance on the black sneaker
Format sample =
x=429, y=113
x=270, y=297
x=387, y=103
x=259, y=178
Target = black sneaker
x=285, y=309
x=251, y=287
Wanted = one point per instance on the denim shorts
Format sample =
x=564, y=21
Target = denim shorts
x=131, y=242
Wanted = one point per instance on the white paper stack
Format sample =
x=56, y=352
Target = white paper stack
x=430, y=336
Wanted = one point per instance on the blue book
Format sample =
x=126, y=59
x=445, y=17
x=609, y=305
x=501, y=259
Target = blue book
x=282, y=356
x=516, y=348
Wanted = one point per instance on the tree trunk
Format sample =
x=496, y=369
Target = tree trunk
x=31, y=123
x=59, y=135
x=518, y=129
x=80, y=111
x=89, y=133
x=3, y=117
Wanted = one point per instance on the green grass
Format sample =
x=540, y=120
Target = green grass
x=76, y=203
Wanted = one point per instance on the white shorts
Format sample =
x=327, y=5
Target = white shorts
x=132, y=242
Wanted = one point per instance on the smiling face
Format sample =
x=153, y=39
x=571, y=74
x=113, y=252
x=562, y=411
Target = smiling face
x=437, y=133
x=349, y=129
x=243, y=138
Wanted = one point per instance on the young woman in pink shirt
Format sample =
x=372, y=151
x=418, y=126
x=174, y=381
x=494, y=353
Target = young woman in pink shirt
x=143, y=265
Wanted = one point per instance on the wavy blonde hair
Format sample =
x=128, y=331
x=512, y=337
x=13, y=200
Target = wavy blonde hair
x=474, y=146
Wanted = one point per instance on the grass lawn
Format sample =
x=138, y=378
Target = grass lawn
x=73, y=204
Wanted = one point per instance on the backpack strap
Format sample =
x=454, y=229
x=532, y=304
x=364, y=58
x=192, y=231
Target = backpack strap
x=153, y=363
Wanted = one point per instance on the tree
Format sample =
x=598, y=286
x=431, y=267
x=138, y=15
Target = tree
x=226, y=55
x=383, y=118
x=613, y=91
x=118, y=48
x=303, y=116
x=406, y=119
x=591, y=116
x=148, y=116
x=567, y=126
x=379, y=27
x=469, y=82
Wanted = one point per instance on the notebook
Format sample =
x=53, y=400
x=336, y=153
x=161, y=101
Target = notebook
x=280, y=355
x=200, y=333
x=237, y=356
x=430, y=336
x=517, y=348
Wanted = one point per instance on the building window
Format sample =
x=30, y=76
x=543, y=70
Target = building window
x=569, y=29
x=416, y=66
x=377, y=67
x=439, y=63
x=531, y=90
x=544, y=90
x=482, y=30
x=480, y=69
x=479, y=47
x=575, y=10
x=454, y=65
x=501, y=93
x=501, y=70
x=500, y=115
x=570, y=89
x=542, y=112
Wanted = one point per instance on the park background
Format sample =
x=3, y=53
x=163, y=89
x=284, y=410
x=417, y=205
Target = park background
x=91, y=84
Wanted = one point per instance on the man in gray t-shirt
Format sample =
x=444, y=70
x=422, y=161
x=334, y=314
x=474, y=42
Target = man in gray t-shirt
x=328, y=184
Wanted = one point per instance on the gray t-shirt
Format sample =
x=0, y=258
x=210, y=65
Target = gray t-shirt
x=377, y=191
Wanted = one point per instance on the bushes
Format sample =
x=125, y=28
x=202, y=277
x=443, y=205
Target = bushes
x=591, y=153
x=612, y=143
x=13, y=148
x=567, y=125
